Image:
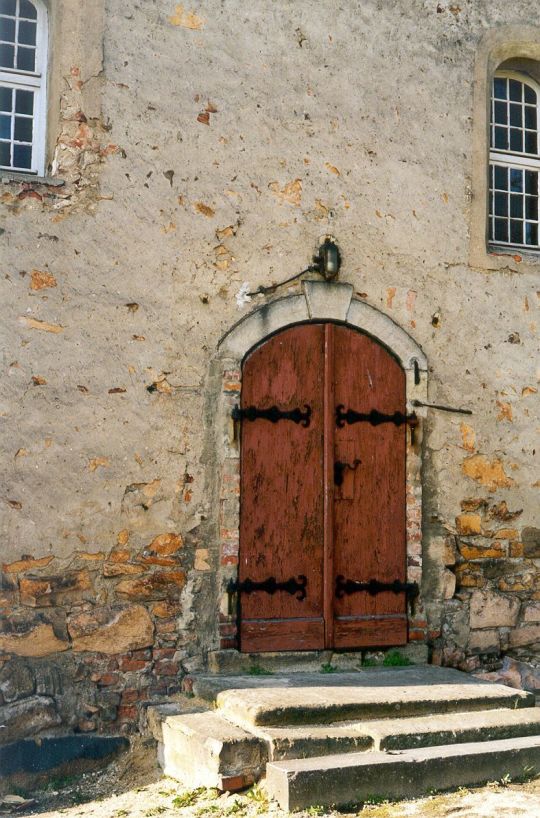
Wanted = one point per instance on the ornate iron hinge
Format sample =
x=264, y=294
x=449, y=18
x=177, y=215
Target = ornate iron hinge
x=375, y=418
x=374, y=587
x=273, y=414
x=270, y=585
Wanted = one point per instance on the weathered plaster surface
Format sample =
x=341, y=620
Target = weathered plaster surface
x=202, y=147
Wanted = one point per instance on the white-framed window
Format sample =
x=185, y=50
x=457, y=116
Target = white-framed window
x=514, y=161
x=23, y=77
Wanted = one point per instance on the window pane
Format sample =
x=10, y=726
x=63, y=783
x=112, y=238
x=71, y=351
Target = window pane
x=500, y=111
x=24, y=102
x=5, y=99
x=28, y=10
x=26, y=59
x=531, y=233
x=27, y=33
x=22, y=156
x=515, y=115
x=531, y=207
x=516, y=180
x=5, y=127
x=531, y=182
x=5, y=154
x=23, y=129
x=501, y=204
x=515, y=90
x=530, y=95
x=501, y=178
x=8, y=7
x=501, y=230
x=530, y=141
x=7, y=56
x=530, y=117
x=499, y=88
x=516, y=206
x=516, y=140
x=516, y=232
x=501, y=138
x=7, y=29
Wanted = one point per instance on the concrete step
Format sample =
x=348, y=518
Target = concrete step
x=208, y=686
x=231, y=662
x=366, y=695
x=398, y=734
x=355, y=777
x=313, y=740
x=452, y=728
x=205, y=750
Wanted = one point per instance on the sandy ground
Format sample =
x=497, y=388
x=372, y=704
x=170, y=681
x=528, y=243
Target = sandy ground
x=133, y=787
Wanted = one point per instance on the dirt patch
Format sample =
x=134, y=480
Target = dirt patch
x=134, y=787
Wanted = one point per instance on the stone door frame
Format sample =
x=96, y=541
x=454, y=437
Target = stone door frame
x=318, y=301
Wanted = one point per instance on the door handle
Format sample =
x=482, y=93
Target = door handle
x=339, y=469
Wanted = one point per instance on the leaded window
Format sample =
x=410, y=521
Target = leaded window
x=23, y=70
x=514, y=162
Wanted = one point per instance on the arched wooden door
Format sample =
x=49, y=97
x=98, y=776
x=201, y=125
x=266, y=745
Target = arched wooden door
x=322, y=519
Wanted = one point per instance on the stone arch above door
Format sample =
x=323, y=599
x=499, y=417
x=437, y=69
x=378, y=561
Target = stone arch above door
x=318, y=302
x=323, y=301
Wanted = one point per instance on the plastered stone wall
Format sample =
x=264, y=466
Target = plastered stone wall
x=192, y=148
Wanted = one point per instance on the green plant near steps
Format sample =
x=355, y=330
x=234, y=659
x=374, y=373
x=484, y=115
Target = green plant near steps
x=315, y=810
x=369, y=663
x=257, y=793
x=187, y=799
x=257, y=670
x=328, y=668
x=235, y=808
x=396, y=659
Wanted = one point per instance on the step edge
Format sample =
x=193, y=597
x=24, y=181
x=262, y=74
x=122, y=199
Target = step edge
x=409, y=756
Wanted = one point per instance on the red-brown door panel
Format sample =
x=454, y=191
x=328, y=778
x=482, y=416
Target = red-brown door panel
x=281, y=521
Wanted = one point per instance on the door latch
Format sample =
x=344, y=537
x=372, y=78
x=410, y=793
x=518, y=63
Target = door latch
x=339, y=469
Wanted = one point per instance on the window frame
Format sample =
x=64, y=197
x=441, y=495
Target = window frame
x=512, y=159
x=35, y=81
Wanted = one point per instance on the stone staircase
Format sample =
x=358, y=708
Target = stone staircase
x=342, y=738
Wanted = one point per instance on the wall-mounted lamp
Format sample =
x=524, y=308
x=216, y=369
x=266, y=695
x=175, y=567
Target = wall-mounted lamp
x=328, y=259
x=327, y=263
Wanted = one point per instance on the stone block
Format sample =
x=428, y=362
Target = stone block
x=493, y=610
x=160, y=585
x=486, y=641
x=448, y=584
x=524, y=635
x=51, y=590
x=205, y=750
x=469, y=524
x=531, y=542
x=476, y=551
x=27, y=717
x=16, y=681
x=38, y=640
x=531, y=612
x=111, y=629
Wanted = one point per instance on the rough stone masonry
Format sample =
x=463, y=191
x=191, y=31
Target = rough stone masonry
x=192, y=148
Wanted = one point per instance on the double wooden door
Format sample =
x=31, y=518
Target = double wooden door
x=322, y=521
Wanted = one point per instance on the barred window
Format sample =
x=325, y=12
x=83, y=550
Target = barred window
x=514, y=161
x=23, y=74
